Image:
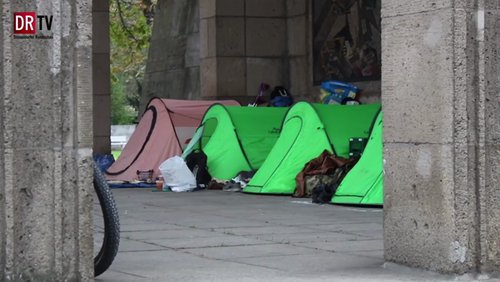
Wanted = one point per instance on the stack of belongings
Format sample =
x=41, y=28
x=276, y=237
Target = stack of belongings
x=321, y=176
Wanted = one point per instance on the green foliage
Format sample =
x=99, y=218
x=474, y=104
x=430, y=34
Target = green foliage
x=121, y=112
x=130, y=36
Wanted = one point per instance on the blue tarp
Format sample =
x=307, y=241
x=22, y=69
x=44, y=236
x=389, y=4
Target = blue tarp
x=132, y=185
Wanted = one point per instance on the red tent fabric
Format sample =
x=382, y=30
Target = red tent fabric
x=162, y=131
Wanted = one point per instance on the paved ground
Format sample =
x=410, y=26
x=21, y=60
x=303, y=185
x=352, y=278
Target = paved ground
x=228, y=236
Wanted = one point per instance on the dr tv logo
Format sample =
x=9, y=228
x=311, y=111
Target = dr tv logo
x=31, y=25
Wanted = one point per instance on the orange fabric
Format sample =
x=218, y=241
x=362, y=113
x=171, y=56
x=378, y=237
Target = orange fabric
x=162, y=143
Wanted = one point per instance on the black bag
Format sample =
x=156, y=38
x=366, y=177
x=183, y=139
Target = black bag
x=196, y=161
x=323, y=192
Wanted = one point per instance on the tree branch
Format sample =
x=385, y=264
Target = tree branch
x=120, y=14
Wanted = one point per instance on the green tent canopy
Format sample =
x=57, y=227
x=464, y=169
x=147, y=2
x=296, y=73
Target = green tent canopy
x=308, y=130
x=364, y=184
x=236, y=138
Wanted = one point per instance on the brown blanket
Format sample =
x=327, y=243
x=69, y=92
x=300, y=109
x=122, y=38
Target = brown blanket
x=326, y=163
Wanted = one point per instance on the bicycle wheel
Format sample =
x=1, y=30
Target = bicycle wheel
x=106, y=225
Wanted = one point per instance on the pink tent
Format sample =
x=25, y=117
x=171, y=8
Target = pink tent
x=163, y=130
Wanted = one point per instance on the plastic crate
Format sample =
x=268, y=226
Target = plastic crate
x=335, y=92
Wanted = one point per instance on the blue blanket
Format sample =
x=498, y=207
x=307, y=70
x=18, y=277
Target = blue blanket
x=132, y=185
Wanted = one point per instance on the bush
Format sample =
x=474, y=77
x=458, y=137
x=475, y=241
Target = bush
x=121, y=111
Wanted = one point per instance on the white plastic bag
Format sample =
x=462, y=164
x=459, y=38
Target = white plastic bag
x=177, y=175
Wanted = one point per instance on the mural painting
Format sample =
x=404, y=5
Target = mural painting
x=346, y=40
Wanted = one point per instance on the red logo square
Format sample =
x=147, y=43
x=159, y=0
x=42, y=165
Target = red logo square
x=24, y=23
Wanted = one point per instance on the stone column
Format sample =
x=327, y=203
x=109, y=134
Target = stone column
x=101, y=76
x=46, y=145
x=173, y=67
x=242, y=43
x=222, y=49
x=440, y=88
x=299, y=43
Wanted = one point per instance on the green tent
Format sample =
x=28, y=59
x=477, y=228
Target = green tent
x=308, y=130
x=364, y=184
x=236, y=138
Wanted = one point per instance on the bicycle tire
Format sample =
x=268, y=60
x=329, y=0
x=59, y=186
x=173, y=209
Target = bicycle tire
x=111, y=241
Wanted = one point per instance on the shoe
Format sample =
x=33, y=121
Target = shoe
x=232, y=187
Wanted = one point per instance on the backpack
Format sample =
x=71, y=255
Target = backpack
x=323, y=193
x=280, y=97
x=196, y=161
x=326, y=185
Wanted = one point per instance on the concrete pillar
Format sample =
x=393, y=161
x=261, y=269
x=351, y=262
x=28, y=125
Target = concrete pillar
x=299, y=45
x=101, y=76
x=46, y=145
x=222, y=49
x=173, y=67
x=242, y=43
x=440, y=86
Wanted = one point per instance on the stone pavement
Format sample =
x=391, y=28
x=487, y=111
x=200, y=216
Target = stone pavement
x=228, y=236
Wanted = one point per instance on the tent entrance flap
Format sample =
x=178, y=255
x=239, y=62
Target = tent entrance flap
x=194, y=143
x=142, y=135
x=280, y=150
x=239, y=139
x=302, y=139
x=184, y=134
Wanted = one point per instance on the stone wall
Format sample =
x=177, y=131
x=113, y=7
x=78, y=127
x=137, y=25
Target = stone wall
x=441, y=134
x=299, y=45
x=243, y=43
x=46, y=146
x=246, y=42
x=238, y=45
x=173, y=67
